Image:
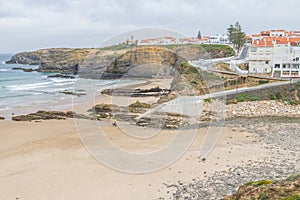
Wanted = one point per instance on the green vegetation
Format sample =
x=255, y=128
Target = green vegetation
x=293, y=197
x=246, y=97
x=217, y=49
x=199, y=36
x=285, y=93
x=263, y=82
x=117, y=47
x=293, y=177
x=262, y=196
x=188, y=69
x=208, y=100
x=236, y=35
x=259, y=183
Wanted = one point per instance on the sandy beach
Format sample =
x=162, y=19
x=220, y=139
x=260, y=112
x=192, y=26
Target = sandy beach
x=47, y=160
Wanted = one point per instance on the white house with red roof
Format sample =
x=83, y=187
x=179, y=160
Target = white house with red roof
x=275, y=52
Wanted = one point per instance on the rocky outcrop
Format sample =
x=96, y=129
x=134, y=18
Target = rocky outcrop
x=111, y=63
x=61, y=60
x=286, y=190
x=24, y=69
x=144, y=62
x=75, y=93
x=47, y=115
x=155, y=92
x=61, y=76
x=30, y=58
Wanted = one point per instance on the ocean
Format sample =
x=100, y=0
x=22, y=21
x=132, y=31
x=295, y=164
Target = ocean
x=24, y=92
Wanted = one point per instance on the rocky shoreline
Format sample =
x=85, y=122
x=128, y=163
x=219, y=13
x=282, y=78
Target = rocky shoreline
x=283, y=160
x=262, y=108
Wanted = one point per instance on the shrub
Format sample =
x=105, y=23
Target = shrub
x=240, y=97
x=293, y=197
x=278, y=95
x=208, y=100
x=263, y=82
x=272, y=97
x=194, y=82
x=245, y=97
x=293, y=177
x=262, y=196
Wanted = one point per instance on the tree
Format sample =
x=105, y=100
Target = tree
x=199, y=36
x=236, y=35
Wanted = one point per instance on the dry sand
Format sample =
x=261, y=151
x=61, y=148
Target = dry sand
x=47, y=161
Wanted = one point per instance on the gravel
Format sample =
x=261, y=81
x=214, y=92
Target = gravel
x=279, y=135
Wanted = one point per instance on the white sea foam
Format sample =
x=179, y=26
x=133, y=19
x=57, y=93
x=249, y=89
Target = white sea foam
x=29, y=86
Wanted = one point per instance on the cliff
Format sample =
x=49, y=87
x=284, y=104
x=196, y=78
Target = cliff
x=63, y=60
x=115, y=61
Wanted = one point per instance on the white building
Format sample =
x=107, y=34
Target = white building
x=280, y=59
x=286, y=62
x=219, y=39
x=260, y=57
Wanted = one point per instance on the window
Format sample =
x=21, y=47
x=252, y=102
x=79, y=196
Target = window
x=295, y=73
x=283, y=66
x=297, y=58
x=286, y=73
x=277, y=66
x=253, y=49
x=267, y=62
x=266, y=69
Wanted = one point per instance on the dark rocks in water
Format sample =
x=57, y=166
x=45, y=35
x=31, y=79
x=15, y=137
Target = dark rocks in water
x=2, y=118
x=24, y=69
x=73, y=93
x=61, y=76
x=156, y=92
x=48, y=115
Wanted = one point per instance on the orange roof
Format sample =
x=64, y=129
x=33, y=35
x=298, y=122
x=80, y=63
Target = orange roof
x=262, y=43
x=247, y=37
x=277, y=30
x=255, y=35
x=169, y=37
x=265, y=32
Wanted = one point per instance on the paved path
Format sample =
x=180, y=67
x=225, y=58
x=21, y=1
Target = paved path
x=190, y=105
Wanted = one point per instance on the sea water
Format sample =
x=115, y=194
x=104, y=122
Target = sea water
x=22, y=92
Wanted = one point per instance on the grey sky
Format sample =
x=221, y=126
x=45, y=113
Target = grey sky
x=33, y=24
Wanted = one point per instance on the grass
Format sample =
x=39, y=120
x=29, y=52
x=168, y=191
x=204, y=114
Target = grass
x=246, y=97
x=293, y=177
x=293, y=197
x=258, y=183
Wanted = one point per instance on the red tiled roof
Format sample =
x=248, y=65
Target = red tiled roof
x=262, y=43
x=255, y=35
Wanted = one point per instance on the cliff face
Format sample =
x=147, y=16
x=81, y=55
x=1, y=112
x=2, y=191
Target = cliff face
x=150, y=61
x=114, y=62
x=62, y=60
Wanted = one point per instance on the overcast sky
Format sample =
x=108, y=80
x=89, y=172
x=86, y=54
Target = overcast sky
x=32, y=24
